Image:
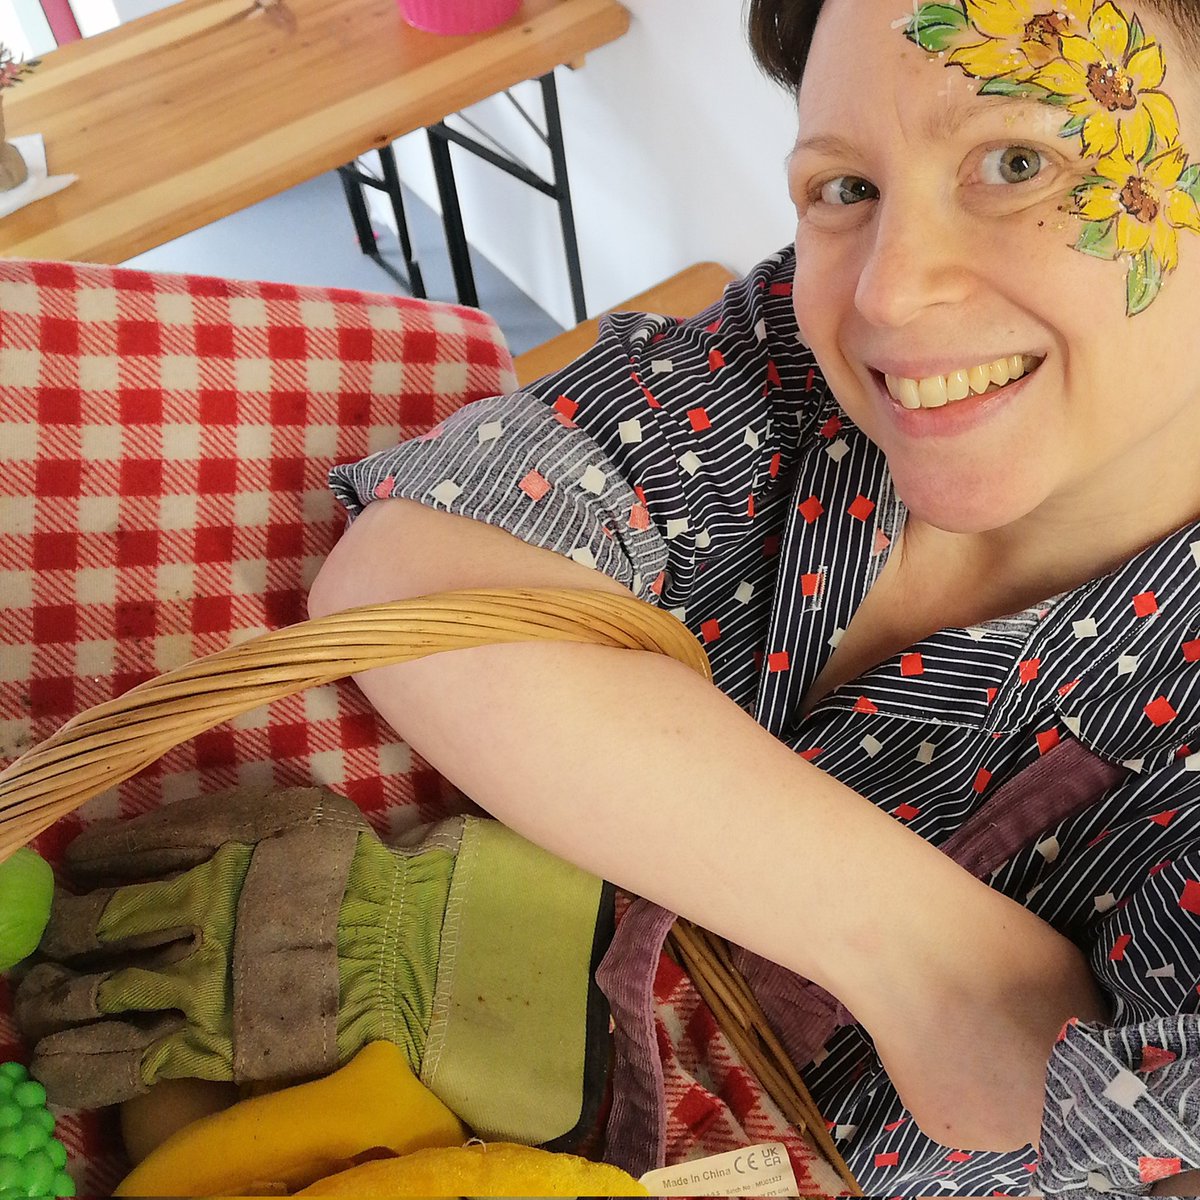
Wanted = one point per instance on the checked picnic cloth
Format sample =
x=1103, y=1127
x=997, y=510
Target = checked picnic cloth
x=164, y=446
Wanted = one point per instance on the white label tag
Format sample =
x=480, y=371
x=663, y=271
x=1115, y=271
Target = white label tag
x=763, y=1170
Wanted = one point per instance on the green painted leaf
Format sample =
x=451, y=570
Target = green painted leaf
x=1137, y=36
x=1143, y=282
x=1073, y=127
x=1189, y=181
x=934, y=27
x=1099, y=239
x=999, y=86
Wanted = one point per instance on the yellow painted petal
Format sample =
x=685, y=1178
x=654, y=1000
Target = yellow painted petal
x=1062, y=77
x=1099, y=134
x=1147, y=67
x=1164, y=244
x=1113, y=171
x=1110, y=32
x=1132, y=235
x=1162, y=112
x=1116, y=167
x=985, y=60
x=1182, y=211
x=1165, y=169
x=999, y=18
x=1082, y=52
x=1078, y=11
x=1136, y=128
x=1098, y=203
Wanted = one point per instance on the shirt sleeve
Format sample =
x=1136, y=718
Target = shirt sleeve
x=656, y=444
x=1123, y=1101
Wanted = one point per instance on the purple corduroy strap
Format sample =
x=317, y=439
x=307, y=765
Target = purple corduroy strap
x=1063, y=782
x=636, y=1134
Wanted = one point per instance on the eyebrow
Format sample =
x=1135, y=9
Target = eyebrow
x=943, y=123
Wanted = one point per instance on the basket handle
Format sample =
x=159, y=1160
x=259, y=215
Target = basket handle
x=109, y=742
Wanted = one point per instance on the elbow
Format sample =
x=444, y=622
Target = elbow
x=332, y=589
x=352, y=575
x=323, y=594
x=367, y=566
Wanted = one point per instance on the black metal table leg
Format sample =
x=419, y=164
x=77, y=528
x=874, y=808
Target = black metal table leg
x=357, y=204
x=562, y=189
x=353, y=181
x=456, y=237
x=391, y=181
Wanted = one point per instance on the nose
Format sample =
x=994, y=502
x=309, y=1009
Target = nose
x=915, y=260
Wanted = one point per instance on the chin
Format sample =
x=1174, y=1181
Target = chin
x=956, y=503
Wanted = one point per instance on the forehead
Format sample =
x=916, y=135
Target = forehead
x=861, y=63
x=863, y=69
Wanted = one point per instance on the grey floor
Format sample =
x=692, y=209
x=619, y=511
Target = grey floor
x=305, y=236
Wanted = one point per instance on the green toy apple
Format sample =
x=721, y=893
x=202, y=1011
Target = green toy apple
x=26, y=889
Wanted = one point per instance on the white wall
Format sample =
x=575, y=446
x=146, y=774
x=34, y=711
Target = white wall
x=675, y=148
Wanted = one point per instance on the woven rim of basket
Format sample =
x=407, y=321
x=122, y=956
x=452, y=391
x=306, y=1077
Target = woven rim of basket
x=109, y=742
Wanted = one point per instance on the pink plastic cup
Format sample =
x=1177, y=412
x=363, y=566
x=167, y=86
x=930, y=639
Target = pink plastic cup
x=458, y=16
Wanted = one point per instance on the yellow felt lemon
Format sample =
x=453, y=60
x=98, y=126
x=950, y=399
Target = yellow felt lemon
x=495, y=1169
x=286, y=1139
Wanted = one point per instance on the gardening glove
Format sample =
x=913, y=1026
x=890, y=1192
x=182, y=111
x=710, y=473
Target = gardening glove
x=265, y=937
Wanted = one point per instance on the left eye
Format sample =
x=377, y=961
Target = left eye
x=1011, y=164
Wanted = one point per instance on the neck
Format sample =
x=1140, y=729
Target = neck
x=1064, y=543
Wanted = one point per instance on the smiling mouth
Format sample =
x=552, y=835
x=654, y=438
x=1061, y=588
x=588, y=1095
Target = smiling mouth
x=936, y=391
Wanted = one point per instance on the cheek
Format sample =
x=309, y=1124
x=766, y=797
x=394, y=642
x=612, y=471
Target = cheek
x=826, y=278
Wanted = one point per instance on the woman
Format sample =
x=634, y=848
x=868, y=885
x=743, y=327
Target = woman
x=925, y=487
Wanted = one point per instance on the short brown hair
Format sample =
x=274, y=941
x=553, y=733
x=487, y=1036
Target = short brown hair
x=781, y=32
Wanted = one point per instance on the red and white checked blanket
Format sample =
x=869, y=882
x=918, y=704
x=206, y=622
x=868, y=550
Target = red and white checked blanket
x=164, y=442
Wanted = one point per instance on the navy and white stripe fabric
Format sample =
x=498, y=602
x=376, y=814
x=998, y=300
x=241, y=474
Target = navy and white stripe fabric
x=706, y=465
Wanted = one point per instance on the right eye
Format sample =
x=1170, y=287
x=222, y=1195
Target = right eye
x=847, y=189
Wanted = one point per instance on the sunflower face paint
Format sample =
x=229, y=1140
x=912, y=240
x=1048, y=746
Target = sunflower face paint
x=1100, y=67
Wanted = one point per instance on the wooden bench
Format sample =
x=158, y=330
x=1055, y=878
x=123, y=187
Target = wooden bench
x=683, y=295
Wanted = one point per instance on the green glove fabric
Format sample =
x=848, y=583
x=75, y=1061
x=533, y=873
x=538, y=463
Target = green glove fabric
x=266, y=937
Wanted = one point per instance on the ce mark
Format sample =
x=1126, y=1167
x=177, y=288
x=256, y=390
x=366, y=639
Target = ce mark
x=750, y=1160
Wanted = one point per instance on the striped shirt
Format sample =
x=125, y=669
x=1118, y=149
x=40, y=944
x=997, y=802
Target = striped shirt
x=706, y=465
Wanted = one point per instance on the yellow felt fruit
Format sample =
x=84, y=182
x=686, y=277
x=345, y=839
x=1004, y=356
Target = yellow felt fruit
x=301, y=1133
x=495, y=1169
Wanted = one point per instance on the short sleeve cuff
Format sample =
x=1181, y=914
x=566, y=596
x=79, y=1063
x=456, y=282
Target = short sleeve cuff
x=1120, y=1110
x=514, y=463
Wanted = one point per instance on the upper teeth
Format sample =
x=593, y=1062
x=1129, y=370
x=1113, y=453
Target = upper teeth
x=937, y=390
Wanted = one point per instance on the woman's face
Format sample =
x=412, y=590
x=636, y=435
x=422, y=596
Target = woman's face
x=936, y=237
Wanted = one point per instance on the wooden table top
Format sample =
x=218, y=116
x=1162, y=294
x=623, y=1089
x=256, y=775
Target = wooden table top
x=189, y=114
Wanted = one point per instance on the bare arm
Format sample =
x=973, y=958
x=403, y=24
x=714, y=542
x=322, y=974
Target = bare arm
x=634, y=768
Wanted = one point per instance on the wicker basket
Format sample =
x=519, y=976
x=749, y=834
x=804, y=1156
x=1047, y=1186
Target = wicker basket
x=112, y=741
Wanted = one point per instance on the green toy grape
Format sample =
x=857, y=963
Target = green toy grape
x=31, y=1160
x=43, y=1118
x=26, y=890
